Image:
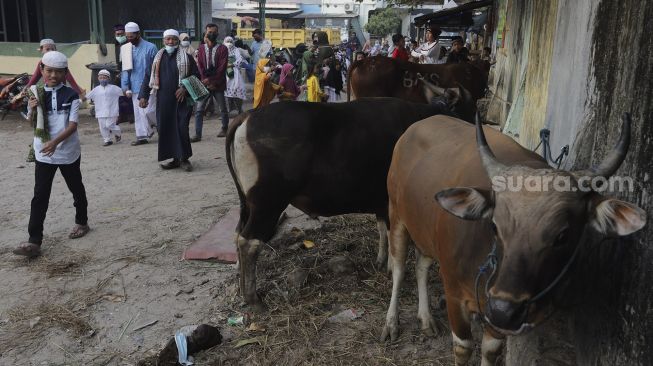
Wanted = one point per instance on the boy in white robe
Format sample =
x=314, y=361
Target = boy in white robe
x=105, y=97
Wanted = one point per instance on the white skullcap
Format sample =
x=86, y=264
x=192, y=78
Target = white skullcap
x=104, y=72
x=228, y=39
x=46, y=41
x=132, y=27
x=171, y=32
x=55, y=59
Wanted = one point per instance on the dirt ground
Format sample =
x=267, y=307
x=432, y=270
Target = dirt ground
x=83, y=301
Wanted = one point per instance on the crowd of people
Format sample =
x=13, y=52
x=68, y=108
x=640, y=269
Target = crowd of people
x=163, y=88
x=431, y=51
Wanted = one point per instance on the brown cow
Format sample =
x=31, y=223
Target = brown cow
x=324, y=159
x=381, y=76
x=532, y=233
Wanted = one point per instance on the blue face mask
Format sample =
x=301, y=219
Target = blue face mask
x=171, y=49
x=121, y=39
x=104, y=82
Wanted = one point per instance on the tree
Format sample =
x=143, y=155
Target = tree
x=383, y=23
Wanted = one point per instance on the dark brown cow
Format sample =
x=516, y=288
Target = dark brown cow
x=388, y=77
x=324, y=159
x=535, y=230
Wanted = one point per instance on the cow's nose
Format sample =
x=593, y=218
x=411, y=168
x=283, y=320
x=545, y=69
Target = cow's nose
x=505, y=314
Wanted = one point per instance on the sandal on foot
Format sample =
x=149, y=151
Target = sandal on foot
x=29, y=250
x=78, y=231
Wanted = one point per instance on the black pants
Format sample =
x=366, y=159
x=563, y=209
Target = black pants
x=43, y=177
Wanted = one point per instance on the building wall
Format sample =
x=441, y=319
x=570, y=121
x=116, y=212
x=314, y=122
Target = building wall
x=17, y=58
x=509, y=78
x=57, y=24
x=538, y=70
x=153, y=14
x=566, y=112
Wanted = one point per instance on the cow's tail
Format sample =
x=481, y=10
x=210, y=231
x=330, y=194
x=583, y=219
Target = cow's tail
x=229, y=142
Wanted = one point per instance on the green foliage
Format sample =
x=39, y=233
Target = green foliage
x=383, y=23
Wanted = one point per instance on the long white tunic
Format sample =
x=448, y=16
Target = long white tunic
x=430, y=51
x=236, y=84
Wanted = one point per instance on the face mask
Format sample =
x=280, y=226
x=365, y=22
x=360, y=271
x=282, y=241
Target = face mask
x=212, y=37
x=171, y=49
x=185, y=43
x=266, y=69
x=104, y=82
x=121, y=39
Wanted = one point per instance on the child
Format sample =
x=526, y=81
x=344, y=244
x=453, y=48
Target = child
x=56, y=144
x=314, y=93
x=105, y=97
x=400, y=50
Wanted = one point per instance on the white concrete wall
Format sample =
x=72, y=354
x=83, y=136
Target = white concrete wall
x=86, y=54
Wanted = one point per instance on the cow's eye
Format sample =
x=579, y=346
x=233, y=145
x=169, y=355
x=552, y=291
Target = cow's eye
x=562, y=237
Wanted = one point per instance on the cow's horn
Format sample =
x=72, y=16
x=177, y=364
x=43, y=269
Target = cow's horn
x=613, y=161
x=492, y=166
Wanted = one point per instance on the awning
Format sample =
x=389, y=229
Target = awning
x=270, y=13
x=460, y=16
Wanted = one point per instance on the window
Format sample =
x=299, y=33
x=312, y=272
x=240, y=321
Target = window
x=19, y=21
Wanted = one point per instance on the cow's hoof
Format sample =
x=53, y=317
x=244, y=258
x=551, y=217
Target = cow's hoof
x=381, y=262
x=390, y=331
x=255, y=306
x=431, y=327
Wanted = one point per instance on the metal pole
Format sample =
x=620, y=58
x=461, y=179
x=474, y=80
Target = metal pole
x=100, y=22
x=91, y=20
x=261, y=16
x=198, y=20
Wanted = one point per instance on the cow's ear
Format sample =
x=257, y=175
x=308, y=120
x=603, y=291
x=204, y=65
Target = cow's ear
x=614, y=217
x=466, y=203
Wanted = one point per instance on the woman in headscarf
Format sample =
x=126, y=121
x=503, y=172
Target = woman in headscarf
x=287, y=82
x=264, y=89
x=235, y=91
x=333, y=82
x=307, y=62
x=185, y=46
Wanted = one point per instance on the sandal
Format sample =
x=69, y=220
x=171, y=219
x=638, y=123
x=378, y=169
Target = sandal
x=78, y=231
x=29, y=250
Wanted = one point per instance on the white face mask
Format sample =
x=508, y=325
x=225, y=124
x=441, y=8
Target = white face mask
x=266, y=69
x=170, y=49
x=185, y=43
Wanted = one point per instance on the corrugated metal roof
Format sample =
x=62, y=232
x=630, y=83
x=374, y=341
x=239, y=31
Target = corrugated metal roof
x=448, y=13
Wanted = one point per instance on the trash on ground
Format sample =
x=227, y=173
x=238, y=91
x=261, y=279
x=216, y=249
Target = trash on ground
x=308, y=244
x=256, y=327
x=186, y=342
x=347, y=315
x=237, y=320
x=244, y=342
x=182, y=349
x=145, y=325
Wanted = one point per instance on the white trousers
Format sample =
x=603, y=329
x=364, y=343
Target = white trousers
x=107, y=126
x=144, y=118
